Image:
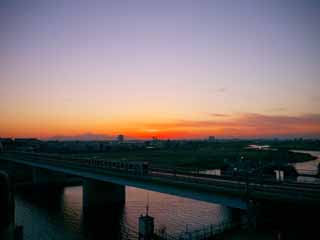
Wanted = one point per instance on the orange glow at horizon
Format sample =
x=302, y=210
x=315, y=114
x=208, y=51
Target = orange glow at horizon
x=242, y=125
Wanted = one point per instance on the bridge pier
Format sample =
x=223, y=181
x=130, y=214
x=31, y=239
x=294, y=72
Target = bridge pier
x=98, y=194
x=7, y=217
x=252, y=215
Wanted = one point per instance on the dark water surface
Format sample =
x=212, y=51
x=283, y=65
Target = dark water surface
x=58, y=214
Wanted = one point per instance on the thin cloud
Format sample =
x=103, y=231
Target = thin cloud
x=278, y=109
x=260, y=119
x=248, y=124
x=218, y=115
x=221, y=90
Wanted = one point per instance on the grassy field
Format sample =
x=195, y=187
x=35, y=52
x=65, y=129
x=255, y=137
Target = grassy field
x=208, y=156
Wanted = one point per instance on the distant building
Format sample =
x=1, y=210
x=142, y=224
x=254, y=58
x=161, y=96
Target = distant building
x=120, y=138
x=26, y=140
x=211, y=138
x=155, y=139
x=26, y=144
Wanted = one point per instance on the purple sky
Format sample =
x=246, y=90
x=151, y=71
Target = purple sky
x=68, y=67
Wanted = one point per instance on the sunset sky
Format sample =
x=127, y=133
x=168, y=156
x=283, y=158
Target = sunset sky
x=166, y=68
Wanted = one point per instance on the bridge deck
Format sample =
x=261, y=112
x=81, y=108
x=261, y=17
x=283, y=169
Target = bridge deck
x=227, y=190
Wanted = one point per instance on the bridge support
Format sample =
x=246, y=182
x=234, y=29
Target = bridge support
x=98, y=194
x=7, y=224
x=252, y=215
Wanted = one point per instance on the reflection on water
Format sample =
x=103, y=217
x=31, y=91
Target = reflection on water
x=309, y=167
x=59, y=215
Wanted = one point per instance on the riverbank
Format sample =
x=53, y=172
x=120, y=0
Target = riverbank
x=296, y=144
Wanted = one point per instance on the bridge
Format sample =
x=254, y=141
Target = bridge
x=103, y=185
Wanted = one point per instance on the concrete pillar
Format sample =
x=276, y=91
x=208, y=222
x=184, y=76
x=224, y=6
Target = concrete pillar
x=7, y=224
x=238, y=216
x=98, y=194
x=252, y=215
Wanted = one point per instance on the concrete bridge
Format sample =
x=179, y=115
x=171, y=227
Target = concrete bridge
x=103, y=186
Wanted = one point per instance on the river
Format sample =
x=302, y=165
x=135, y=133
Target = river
x=59, y=215
x=309, y=167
